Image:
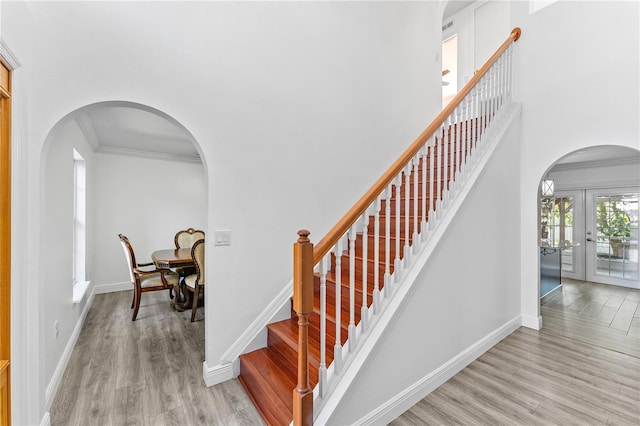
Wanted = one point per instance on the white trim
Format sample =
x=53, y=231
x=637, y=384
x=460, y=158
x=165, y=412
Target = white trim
x=86, y=127
x=254, y=337
x=532, y=322
x=46, y=419
x=8, y=56
x=112, y=150
x=596, y=163
x=257, y=327
x=397, y=405
x=218, y=373
x=113, y=287
x=79, y=290
x=56, y=379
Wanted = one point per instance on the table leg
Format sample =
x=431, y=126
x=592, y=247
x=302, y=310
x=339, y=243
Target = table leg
x=177, y=304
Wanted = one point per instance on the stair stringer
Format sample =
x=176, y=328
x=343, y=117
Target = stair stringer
x=340, y=384
x=254, y=337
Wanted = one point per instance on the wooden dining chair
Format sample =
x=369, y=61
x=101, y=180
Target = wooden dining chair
x=195, y=283
x=185, y=239
x=145, y=276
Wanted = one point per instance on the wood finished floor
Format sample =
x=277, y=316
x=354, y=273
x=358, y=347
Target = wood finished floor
x=582, y=368
x=147, y=372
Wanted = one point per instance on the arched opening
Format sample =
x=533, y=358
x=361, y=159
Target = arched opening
x=588, y=236
x=110, y=168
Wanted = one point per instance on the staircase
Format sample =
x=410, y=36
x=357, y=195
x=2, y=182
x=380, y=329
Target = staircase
x=379, y=235
x=269, y=375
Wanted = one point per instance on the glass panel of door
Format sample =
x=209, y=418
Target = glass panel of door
x=612, y=237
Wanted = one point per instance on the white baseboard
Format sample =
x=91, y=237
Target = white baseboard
x=113, y=287
x=532, y=322
x=402, y=402
x=217, y=373
x=56, y=379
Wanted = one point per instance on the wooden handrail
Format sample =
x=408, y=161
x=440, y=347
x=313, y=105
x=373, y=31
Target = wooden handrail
x=331, y=238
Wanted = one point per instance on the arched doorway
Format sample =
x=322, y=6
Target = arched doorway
x=589, y=282
x=136, y=171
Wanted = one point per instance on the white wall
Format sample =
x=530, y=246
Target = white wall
x=468, y=289
x=297, y=108
x=148, y=200
x=56, y=273
x=578, y=76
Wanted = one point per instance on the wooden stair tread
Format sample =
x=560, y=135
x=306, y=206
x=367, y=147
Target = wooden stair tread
x=269, y=386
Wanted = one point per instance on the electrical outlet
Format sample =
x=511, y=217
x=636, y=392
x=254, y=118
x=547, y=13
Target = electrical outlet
x=56, y=329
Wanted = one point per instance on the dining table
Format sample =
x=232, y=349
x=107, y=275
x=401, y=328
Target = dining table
x=170, y=259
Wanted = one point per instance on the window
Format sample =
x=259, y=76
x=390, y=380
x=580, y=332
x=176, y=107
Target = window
x=79, y=208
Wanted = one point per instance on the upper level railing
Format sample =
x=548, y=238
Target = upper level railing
x=402, y=206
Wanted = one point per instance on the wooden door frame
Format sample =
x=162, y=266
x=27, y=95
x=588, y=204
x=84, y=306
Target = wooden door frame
x=5, y=243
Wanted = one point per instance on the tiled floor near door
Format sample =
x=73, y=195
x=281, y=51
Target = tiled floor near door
x=595, y=312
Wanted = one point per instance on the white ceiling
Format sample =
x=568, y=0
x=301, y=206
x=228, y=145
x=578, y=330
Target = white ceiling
x=453, y=7
x=128, y=130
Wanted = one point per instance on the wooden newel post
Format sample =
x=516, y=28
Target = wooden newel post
x=303, y=305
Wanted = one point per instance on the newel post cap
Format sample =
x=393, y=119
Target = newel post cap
x=303, y=236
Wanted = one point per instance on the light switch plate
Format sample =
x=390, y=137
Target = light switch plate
x=222, y=237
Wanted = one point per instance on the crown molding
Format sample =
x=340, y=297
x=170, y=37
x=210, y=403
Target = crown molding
x=8, y=57
x=596, y=163
x=149, y=154
x=86, y=127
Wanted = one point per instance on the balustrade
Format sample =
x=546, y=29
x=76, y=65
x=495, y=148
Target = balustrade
x=427, y=176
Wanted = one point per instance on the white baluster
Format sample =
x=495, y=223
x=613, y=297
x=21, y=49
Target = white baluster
x=446, y=145
x=364, y=310
x=465, y=134
x=387, y=244
x=423, y=223
x=476, y=122
x=503, y=80
x=416, y=201
x=322, y=369
x=337, y=349
x=352, y=288
x=407, y=213
x=376, y=257
x=494, y=91
x=398, y=201
x=433, y=171
x=457, y=137
x=499, y=84
x=468, y=128
x=510, y=55
x=496, y=88
x=484, y=111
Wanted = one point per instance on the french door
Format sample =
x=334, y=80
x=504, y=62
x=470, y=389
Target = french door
x=611, y=236
x=566, y=229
